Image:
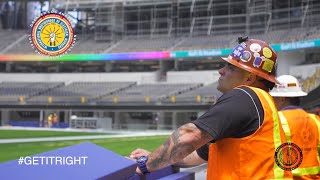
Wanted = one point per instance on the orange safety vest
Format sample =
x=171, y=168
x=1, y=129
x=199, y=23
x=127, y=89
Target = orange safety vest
x=250, y=157
x=303, y=129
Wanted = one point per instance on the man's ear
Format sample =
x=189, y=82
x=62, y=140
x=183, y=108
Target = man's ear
x=250, y=79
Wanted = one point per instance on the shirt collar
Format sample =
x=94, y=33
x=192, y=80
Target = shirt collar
x=291, y=107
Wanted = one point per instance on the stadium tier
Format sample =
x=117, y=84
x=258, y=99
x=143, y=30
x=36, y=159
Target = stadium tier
x=79, y=92
x=204, y=95
x=102, y=93
x=18, y=92
x=149, y=93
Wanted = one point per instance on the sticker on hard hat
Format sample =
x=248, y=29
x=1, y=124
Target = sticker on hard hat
x=243, y=44
x=246, y=56
x=255, y=47
x=267, y=52
x=292, y=84
x=257, y=62
x=238, y=51
x=256, y=54
x=268, y=65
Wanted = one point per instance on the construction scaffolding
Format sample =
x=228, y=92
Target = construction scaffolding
x=123, y=19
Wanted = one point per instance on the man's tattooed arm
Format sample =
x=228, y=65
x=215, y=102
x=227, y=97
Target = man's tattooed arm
x=191, y=160
x=180, y=144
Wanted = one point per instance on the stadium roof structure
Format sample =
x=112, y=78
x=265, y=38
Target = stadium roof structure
x=172, y=29
x=94, y=4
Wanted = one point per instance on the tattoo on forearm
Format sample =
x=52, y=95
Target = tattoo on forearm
x=172, y=150
x=180, y=150
x=187, y=161
x=175, y=137
x=162, y=152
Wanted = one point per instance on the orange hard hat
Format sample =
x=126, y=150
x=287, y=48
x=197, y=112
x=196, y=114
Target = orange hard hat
x=255, y=56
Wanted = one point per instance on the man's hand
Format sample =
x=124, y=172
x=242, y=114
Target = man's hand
x=138, y=171
x=138, y=152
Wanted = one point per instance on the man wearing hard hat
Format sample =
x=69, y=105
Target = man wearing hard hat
x=240, y=134
x=300, y=128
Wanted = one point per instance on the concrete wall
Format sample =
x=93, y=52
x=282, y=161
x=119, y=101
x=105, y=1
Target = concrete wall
x=205, y=77
x=287, y=59
x=304, y=71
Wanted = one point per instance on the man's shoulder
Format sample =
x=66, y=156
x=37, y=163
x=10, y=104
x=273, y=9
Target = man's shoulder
x=239, y=94
x=242, y=90
x=297, y=113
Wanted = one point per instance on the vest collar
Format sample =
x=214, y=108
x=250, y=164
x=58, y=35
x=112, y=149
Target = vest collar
x=291, y=107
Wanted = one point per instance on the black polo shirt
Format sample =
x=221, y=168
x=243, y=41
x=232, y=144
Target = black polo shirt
x=237, y=113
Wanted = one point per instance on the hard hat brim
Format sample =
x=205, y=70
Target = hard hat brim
x=287, y=94
x=266, y=76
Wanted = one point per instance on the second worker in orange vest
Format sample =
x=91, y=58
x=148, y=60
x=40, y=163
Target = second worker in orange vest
x=300, y=127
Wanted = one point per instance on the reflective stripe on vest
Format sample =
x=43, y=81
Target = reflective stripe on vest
x=286, y=129
x=317, y=121
x=278, y=172
x=285, y=126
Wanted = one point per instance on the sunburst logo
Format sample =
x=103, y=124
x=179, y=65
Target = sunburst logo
x=52, y=34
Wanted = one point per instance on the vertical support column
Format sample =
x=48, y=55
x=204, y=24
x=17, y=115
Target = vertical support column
x=101, y=114
x=210, y=25
x=174, y=120
x=5, y=117
x=192, y=6
x=161, y=72
x=108, y=66
x=67, y=115
x=8, y=66
x=41, y=119
x=116, y=124
x=160, y=124
x=98, y=114
x=192, y=25
x=164, y=67
x=176, y=64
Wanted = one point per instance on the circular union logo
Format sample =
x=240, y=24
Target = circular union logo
x=52, y=34
x=288, y=156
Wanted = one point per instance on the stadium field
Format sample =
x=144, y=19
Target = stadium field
x=9, y=134
x=122, y=146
